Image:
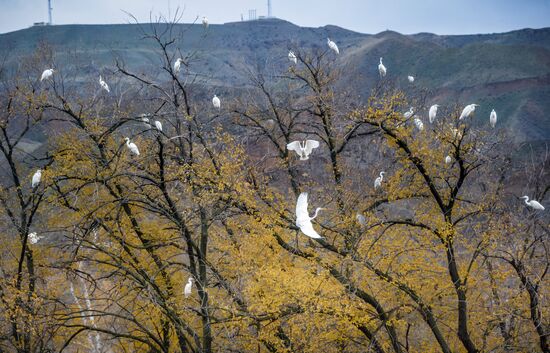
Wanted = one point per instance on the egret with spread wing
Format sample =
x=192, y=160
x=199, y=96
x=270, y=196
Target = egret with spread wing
x=303, y=148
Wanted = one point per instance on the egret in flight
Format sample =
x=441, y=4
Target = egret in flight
x=303, y=148
x=158, y=125
x=448, y=159
x=419, y=124
x=216, y=102
x=432, y=114
x=493, y=118
x=188, y=287
x=408, y=114
x=333, y=46
x=46, y=74
x=132, y=146
x=533, y=203
x=292, y=57
x=382, y=69
x=104, y=84
x=303, y=220
x=205, y=22
x=177, y=65
x=468, y=110
x=36, y=178
x=410, y=78
x=378, y=181
x=34, y=238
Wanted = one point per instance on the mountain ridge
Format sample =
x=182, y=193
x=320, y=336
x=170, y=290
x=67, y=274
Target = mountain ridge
x=507, y=71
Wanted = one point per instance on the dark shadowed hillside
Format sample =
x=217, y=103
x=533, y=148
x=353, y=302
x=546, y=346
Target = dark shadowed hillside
x=509, y=72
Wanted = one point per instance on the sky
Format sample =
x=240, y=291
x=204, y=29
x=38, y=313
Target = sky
x=366, y=16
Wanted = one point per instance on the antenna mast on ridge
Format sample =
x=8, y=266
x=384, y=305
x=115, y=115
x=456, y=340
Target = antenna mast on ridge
x=269, y=15
x=50, y=12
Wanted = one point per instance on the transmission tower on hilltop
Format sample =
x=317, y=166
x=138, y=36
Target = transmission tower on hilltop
x=50, y=12
x=269, y=14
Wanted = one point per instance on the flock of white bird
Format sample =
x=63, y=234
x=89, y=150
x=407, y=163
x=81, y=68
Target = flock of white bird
x=302, y=148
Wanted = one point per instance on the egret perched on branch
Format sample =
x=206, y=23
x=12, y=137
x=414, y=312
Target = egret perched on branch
x=419, y=124
x=46, y=74
x=432, y=114
x=448, y=159
x=533, y=203
x=333, y=46
x=188, y=287
x=104, y=84
x=34, y=238
x=177, y=65
x=361, y=219
x=378, y=181
x=158, y=125
x=408, y=114
x=292, y=57
x=216, y=102
x=410, y=78
x=132, y=146
x=468, y=110
x=303, y=148
x=36, y=178
x=303, y=220
x=382, y=69
x=205, y=22
x=493, y=118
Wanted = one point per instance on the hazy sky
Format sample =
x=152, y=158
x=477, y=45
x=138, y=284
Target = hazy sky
x=367, y=16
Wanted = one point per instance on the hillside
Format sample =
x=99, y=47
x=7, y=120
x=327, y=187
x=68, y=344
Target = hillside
x=509, y=72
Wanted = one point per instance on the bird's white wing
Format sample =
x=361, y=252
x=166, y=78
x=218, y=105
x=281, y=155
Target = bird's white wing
x=310, y=145
x=536, y=205
x=307, y=229
x=294, y=146
x=301, y=207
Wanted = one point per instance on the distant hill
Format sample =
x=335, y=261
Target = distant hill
x=509, y=72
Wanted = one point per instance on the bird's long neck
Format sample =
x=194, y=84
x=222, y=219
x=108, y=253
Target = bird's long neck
x=316, y=213
x=526, y=200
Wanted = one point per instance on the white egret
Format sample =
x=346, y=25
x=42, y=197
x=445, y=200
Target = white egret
x=468, y=110
x=419, y=124
x=177, y=65
x=333, y=46
x=303, y=148
x=216, y=102
x=432, y=113
x=46, y=74
x=158, y=125
x=292, y=57
x=104, y=84
x=378, y=181
x=410, y=78
x=34, y=238
x=188, y=287
x=145, y=121
x=303, y=220
x=205, y=22
x=382, y=69
x=361, y=219
x=37, y=176
x=132, y=146
x=448, y=159
x=493, y=118
x=533, y=203
x=408, y=114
